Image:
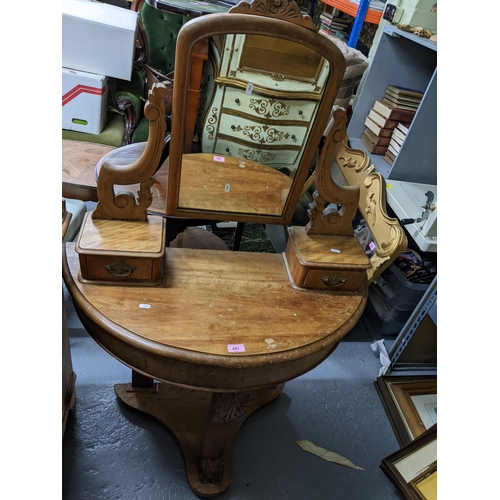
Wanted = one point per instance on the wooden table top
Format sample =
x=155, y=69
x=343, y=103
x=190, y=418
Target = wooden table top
x=209, y=301
x=229, y=184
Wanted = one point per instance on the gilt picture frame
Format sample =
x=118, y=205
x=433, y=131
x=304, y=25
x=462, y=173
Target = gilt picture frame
x=410, y=403
x=413, y=468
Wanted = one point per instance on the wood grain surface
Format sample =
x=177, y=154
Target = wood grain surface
x=180, y=331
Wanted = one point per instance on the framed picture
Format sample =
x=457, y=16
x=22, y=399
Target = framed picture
x=413, y=469
x=410, y=403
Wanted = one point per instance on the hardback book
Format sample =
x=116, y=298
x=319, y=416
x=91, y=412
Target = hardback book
x=389, y=157
x=382, y=121
x=385, y=140
x=393, y=150
x=403, y=98
x=393, y=112
x=396, y=140
x=399, y=135
x=403, y=128
x=400, y=105
x=404, y=91
x=394, y=146
x=377, y=140
x=341, y=20
x=370, y=146
x=338, y=26
x=377, y=129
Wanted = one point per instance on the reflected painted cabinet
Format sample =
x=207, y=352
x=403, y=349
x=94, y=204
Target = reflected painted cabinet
x=253, y=101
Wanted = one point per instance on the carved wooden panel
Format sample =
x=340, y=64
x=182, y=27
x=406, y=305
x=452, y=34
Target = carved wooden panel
x=387, y=233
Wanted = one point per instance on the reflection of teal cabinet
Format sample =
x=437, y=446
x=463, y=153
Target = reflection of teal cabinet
x=405, y=60
x=256, y=103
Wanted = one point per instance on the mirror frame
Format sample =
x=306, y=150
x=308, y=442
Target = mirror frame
x=236, y=22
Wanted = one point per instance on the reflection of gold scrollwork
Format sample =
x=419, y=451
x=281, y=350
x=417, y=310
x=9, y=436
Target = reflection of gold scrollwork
x=253, y=132
x=261, y=106
x=266, y=156
x=210, y=128
x=256, y=155
x=263, y=134
x=277, y=77
x=274, y=135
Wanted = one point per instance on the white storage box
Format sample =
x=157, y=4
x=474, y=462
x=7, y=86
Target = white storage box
x=98, y=38
x=84, y=101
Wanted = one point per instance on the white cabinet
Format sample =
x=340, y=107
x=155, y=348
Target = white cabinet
x=405, y=60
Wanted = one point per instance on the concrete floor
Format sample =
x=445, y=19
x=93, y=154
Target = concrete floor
x=112, y=452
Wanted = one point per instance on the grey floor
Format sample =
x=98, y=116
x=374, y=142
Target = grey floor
x=112, y=452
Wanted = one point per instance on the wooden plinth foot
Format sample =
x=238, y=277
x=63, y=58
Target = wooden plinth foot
x=205, y=424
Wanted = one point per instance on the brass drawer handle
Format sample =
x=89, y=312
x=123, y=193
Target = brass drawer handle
x=120, y=269
x=334, y=280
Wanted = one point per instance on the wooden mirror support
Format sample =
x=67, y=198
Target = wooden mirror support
x=119, y=242
x=325, y=254
x=388, y=235
x=125, y=205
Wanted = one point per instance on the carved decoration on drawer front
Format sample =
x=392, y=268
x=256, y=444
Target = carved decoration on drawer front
x=256, y=155
x=262, y=134
x=270, y=108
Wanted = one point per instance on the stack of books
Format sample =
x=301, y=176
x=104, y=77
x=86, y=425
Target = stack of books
x=335, y=24
x=403, y=98
x=395, y=143
x=381, y=122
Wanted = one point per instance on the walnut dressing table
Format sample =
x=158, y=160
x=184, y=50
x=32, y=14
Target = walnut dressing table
x=219, y=333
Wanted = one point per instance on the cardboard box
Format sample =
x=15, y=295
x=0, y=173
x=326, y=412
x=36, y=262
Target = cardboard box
x=84, y=101
x=98, y=38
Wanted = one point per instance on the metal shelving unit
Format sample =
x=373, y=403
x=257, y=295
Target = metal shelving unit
x=405, y=60
x=426, y=306
x=360, y=11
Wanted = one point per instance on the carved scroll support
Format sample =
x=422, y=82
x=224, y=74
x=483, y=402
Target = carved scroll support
x=125, y=205
x=328, y=192
x=386, y=231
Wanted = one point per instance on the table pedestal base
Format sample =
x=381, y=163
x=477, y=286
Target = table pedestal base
x=205, y=424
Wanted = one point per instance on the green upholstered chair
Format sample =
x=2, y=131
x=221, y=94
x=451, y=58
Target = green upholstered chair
x=158, y=36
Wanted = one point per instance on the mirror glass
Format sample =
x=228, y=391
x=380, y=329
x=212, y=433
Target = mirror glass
x=259, y=96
